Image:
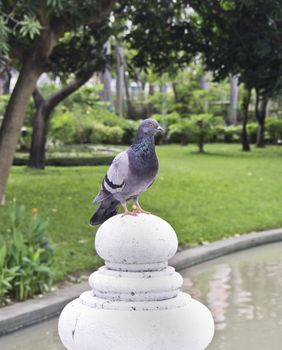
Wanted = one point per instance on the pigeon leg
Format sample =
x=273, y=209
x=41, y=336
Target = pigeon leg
x=137, y=207
x=126, y=211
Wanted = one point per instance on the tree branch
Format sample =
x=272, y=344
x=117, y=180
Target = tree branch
x=68, y=89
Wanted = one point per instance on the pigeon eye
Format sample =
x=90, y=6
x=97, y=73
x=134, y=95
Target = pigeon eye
x=151, y=125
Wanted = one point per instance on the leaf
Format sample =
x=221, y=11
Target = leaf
x=30, y=27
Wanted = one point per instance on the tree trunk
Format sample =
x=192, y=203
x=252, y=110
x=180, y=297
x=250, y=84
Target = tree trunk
x=44, y=109
x=5, y=80
x=120, y=81
x=5, y=76
x=127, y=95
x=106, y=79
x=14, y=119
x=201, y=145
x=150, y=107
x=204, y=84
x=39, y=132
x=261, y=107
x=175, y=92
x=233, y=100
x=245, y=105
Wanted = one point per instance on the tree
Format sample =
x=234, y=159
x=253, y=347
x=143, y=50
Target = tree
x=81, y=54
x=29, y=33
x=236, y=37
x=243, y=37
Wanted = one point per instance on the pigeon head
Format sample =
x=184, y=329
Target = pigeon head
x=150, y=127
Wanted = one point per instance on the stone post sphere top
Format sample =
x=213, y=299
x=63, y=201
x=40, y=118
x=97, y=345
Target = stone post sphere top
x=141, y=239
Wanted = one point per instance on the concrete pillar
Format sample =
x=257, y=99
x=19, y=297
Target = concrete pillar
x=135, y=302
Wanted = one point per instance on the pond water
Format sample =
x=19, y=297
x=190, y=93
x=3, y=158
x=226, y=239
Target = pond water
x=243, y=291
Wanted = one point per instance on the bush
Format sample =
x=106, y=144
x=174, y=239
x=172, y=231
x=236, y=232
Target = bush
x=199, y=128
x=232, y=133
x=70, y=161
x=202, y=128
x=98, y=125
x=25, y=139
x=25, y=255
x=273, y=126
x=106, y=134
x=178, y=132
x=63, y=127
x=172, y=124
x=129, y=131
x=167, y=120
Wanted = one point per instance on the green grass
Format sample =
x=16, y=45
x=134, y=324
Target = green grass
x=204, y=197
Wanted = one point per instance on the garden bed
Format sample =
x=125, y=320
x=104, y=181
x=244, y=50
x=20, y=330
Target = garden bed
x=74, y=155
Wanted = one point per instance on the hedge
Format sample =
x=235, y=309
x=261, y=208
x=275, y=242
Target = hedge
x=70, y=161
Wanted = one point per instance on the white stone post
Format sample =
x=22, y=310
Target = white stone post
x=135, y=302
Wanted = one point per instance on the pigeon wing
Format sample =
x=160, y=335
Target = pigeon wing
x=115, y=178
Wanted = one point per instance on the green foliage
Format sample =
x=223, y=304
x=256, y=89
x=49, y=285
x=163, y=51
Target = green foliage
x=29, y=26
x=4, y=99
x=7, y=275
x=25, y=139
x=63, y=128
x=106, y=134
x=226, y=53
x=129, y=128
x=81, y=118
x=202, y=128
x=4, y=32
x=179, y=132
x=273, y=126
x=25, y=256
x=231, y=133
x=199, y=128
x=168, y=119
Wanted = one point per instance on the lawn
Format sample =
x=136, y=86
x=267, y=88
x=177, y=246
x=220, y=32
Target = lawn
x=204, y=197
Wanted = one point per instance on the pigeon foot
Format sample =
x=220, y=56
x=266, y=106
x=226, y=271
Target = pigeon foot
x=128, y=212
x=137, y=208
x=142, y=211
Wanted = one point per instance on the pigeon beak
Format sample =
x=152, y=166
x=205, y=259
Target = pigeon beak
x=160, y=129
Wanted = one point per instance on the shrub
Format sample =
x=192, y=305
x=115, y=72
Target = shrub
x=70, y=161
x=202, y=128
x=63, y=127
x=273, y=126
x=84, y=129
x=167, y=120
x=232, y=133
x=25, y=139
x=129, y=131
x=178, y=132
x=26, y=255
x=106, y=134
x=173, y=128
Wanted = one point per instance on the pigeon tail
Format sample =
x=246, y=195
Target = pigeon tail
x=107, y=209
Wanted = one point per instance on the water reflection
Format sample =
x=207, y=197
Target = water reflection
x=244, y=293
x=43, y=336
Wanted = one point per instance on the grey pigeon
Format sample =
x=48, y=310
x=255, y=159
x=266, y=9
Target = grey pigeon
x=130, y=174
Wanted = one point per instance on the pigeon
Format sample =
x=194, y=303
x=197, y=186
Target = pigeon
x=131, y=173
